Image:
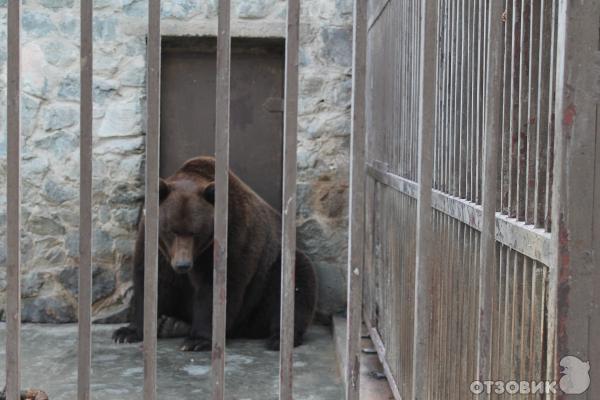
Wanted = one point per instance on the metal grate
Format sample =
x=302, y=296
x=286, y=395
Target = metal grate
x=485, y=256
x=528, y=112
x=151, y=195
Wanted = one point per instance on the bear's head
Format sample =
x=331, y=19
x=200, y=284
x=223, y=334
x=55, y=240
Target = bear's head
x=186, y=221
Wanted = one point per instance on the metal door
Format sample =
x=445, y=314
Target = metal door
x=188, y=108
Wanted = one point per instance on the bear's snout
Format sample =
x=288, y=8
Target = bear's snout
x=182, y=266
x=182, y=254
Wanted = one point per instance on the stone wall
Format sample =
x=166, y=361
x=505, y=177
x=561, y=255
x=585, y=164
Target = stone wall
x=50, y=168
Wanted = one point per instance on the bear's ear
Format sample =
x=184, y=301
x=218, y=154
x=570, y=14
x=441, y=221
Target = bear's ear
x=163, y=190
x=209, y=193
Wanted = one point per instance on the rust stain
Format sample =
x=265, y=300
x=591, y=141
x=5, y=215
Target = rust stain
x=569, y=115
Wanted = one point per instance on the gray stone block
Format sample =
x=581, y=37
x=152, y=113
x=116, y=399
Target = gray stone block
x=52, y=309
x=103, y=282
x=337, y=45
x=37, y=24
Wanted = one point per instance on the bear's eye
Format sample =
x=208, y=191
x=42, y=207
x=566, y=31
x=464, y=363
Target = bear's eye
x=209, y=193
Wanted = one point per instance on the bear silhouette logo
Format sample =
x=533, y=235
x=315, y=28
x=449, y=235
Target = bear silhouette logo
x=576, y=377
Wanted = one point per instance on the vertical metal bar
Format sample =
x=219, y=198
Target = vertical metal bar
x=151, y=221
x=468, y=107
x=522, y=100
x=492, y=133
x=219, y=317
x=447, y=97
x=532, y=115
x=514, y=109
x=543, y=110
x=551, y=117
x=573, y=320
x=85, y=204
x=288, y=229
x=453, y=101
x=506, y=115
x=478, y=95
x=356, y=215
x=460, y=137
x=13, y=207
x=424, y=235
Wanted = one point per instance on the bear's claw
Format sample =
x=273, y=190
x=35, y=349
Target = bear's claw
x=126, y=334
x=191, y=344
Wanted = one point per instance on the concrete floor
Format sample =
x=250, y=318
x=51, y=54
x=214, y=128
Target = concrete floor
x=49, y=363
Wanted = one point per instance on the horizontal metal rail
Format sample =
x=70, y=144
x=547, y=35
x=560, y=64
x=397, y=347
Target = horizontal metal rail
x=526, y=239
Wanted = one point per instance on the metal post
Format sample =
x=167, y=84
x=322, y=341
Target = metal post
x=221, y=200
x=288, y=229
x=492, y=115
x=85, y=205
x=574, y=274
x=356, y=217
x=152, y=182
x=424, y=235
x=13, y=208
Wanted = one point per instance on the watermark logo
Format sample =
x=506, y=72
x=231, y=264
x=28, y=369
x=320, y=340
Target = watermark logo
x=575, y=380
x=576, y=375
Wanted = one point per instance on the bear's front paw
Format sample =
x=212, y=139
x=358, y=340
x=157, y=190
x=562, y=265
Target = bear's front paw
x=169, y=327
x=126, y=334
x=193, y=344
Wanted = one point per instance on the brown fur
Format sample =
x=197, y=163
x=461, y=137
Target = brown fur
x=254, y=258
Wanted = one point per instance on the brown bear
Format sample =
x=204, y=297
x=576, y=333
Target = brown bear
x=186, y=264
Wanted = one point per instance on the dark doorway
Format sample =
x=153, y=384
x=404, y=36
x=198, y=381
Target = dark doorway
x=188, y=108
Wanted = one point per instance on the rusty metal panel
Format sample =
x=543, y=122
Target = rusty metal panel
x=188, y=82
x=13, y=200
x=84, y=353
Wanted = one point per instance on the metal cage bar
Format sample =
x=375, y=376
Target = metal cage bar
x=356, y=215
x=424, y=233
x=152, y=187
x=574, y=319
x=491, y=140
x=84, y=359
x=288, y=227
x=219, y=321
x=13, y=208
